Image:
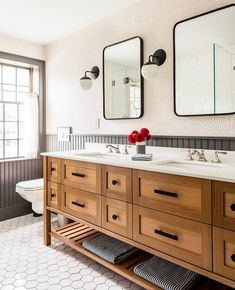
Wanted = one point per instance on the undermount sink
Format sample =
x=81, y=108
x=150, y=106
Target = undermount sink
x=164, y=162
x=98, y=155
x=191, y=164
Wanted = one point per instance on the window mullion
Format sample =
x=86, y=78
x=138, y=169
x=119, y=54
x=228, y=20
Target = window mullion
x=16, y=85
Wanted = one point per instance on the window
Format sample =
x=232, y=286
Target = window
x=19, y=108
x=14, y=84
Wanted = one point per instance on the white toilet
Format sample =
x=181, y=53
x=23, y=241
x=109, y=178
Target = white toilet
x=32, y=191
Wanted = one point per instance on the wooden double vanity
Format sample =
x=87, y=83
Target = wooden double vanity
x=185, y=220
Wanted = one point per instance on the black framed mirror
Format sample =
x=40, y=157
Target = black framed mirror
x=123, y=86
x=204, y=64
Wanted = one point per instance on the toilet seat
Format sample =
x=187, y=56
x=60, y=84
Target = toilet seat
x=30, y=185
x=21, y=190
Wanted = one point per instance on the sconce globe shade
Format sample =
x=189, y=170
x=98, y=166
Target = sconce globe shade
x=150, y=70
x=86, y=83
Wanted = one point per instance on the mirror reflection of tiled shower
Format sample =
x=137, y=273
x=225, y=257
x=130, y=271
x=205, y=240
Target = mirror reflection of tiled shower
x=224, y=78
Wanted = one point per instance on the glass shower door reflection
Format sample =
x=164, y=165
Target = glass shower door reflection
x=224, y=79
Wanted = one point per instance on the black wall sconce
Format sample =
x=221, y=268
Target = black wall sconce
x=86, y=82
x=151, y=68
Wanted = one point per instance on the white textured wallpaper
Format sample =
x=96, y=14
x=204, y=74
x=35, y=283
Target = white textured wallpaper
x=67, y=60
x=16, y=46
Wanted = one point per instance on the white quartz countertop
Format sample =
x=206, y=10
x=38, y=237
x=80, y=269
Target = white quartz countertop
x=165, y=160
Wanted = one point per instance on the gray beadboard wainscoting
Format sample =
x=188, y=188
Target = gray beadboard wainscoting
x=11, y=172
x=78, y=142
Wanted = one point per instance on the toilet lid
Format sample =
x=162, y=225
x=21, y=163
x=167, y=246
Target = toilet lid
x=35, y=184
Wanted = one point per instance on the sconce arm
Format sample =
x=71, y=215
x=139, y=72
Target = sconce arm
x=87, y=71
x=158, y=57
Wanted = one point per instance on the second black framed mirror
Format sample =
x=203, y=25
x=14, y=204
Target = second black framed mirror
x=204, y=64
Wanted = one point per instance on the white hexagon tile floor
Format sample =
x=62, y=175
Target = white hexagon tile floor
x=25, y=263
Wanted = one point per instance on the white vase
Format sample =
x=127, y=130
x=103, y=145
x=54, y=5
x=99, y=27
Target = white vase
x=140, y=147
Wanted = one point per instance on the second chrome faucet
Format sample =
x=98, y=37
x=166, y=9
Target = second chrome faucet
x=201, y=155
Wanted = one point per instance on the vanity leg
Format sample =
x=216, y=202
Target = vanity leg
x=47, y=227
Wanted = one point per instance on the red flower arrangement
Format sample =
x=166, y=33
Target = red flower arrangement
x=143, y=135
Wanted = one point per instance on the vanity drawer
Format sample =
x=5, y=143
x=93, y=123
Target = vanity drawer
x=54, y=169
x=81, y=204
x=224, y=205
x=179, y=195
x=117, y=216
x=224, y=252
x=117, y=182
x=53, y=195
x=82, y=175
x=184, y=239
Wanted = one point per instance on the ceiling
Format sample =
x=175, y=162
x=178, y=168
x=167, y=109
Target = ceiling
x=44, y=21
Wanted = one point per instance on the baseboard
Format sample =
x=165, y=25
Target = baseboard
x=15, y=211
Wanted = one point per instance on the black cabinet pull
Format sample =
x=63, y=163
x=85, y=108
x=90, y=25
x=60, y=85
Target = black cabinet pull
x=53, y=195
x=78, y=174
x=78, y=203
x=114, y=182
x=233, y=257
x=53, y=169
x=114, y=217
x=167, y=235
x=162, y=192
x=232, y=207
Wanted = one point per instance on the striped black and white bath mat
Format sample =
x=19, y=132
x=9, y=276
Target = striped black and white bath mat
x=110, y=249
x=166, y=275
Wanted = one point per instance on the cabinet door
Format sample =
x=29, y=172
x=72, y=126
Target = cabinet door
x=117, y=182
x=179, y=195
x=82, y=204
x=53, y=195
x=117, y=216
x=224, y=205
x=182, y=238
x=82, y=175
x=54, y=169
x=224, y=252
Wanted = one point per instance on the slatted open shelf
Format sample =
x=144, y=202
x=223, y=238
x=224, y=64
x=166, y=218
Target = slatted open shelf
x=74, y=234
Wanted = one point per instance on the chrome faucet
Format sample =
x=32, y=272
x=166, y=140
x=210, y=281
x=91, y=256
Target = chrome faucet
x=126, y=150
x=110, y=147
x=200, y=155
x=189, y=156
x=216, y=158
